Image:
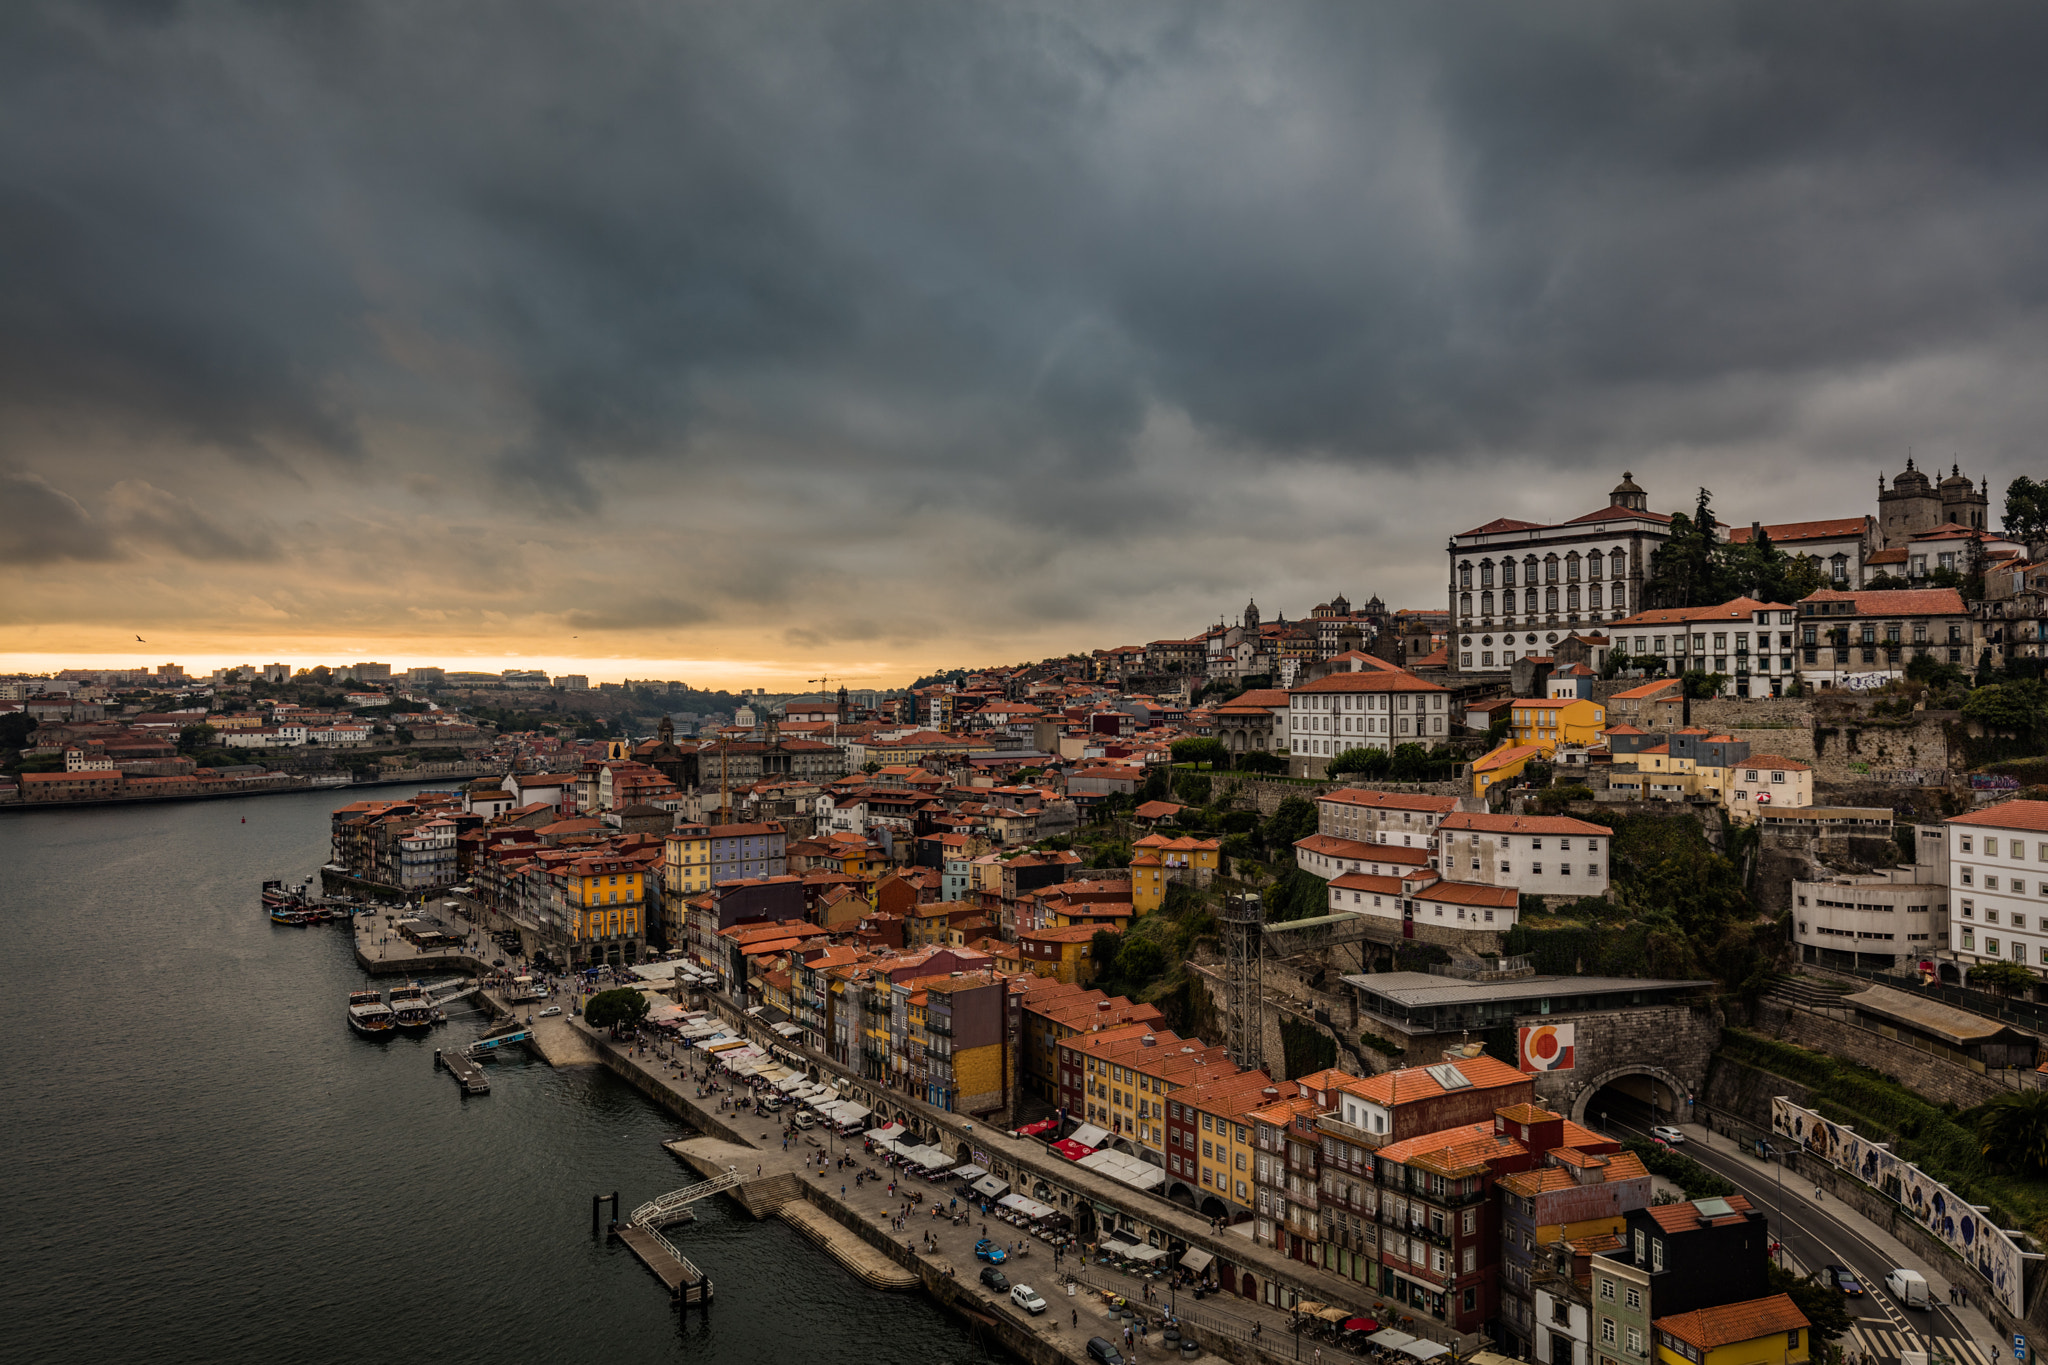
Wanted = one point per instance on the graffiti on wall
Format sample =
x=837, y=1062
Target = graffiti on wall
x=1990, y=1251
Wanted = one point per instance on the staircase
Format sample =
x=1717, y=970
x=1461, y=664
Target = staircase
x=1803, y=992
x=765, y=1196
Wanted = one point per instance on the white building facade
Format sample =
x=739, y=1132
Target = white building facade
x=1519, y=587
x=1362, y=711
x=1998, y=884
x=1537, y=855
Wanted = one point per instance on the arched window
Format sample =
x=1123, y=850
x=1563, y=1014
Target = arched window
x=1550, y=598
x=1571, y=567
x=1620, y=596
x=1465, y=575
x=1595, y=562
x=1529, y=569
x=1617, y=564
x=1531, y=607
x=1593, y=594
x=1464, y=604
x=1571, y=597
x=1507, y=573
x=1550, y=568
x=1486, y=604
x=1485, y=573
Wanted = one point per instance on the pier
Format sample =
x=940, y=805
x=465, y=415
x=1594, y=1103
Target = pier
x=468, y=1074
x=688, y=1284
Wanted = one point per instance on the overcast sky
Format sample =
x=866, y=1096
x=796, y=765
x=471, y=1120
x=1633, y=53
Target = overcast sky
x=759, y=340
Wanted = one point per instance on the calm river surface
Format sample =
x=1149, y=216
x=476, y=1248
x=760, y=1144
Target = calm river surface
x=202, y=1163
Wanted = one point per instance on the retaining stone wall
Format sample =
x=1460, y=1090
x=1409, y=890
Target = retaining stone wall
x=1920, y=1072
x=1861, y=751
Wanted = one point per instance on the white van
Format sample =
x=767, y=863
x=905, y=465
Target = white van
x=804, y=1121
x=1909, y=1288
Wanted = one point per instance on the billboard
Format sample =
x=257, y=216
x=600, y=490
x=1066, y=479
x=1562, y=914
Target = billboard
x=1990, y=1251
x=1545, y=1047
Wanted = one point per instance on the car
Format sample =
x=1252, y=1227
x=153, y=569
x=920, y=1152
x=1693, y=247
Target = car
x=1845, y=1280
x=995, y=1279
x=985, y=1250
x=1667, y=1133
x=1103, y=1353
x=551, y=1011
x=1026, y=1298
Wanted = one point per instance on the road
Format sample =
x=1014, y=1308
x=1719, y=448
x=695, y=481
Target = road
x=1812, y=1237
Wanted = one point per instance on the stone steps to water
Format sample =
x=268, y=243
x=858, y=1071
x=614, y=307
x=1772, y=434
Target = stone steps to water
x=869, y=1264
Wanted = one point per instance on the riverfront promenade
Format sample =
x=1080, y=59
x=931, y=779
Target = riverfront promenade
x=1248, y=1330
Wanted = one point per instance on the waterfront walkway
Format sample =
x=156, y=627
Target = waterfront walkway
x=1078, y=1311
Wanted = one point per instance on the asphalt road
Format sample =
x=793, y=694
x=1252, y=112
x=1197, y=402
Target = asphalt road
x=1812, y=1237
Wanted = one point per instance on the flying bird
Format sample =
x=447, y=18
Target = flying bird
x=140, y=641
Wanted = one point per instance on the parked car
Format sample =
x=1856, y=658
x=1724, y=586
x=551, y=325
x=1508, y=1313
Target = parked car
x=551, y=1011
x=1845, y=1280
x=995, y=1279
x=1026, y=1298
x=805, y=1122
x=1667, y=1133
x=1102, y=1353
x=985, y=1250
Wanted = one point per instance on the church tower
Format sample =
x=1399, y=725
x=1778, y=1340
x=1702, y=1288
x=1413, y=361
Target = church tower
x=1909, y=507
x=1627, y=494
x=1962, y=502
x=1251, y=617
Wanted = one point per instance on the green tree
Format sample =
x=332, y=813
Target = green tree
x=15, y=728
x=615, y=1009
x=1884, y=582
x=2003, y=978
x=1200, y=751
x=2014, y=708
x=1411, y=763
x=1139, y=963
x=2026, y=510
x=193, y=739
x=1684, y=570
x=1102, y=951
x=1155, y=788
x=1352, y=761
x=1259, y=761
x=1291, y=820
x=1699, y=684
x=1819, y=1301
x=2014, y=1128
x=1617, y=660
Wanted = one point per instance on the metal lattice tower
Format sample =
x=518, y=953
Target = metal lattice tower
x=1244, y=945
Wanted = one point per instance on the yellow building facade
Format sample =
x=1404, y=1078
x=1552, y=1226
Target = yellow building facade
x=1545, y=723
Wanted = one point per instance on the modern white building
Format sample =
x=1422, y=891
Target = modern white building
x=1998, y=884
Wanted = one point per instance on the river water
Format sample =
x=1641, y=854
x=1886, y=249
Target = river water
x=202, y=1162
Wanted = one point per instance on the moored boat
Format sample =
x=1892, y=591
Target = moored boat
x=411, y=1010
x=370, y=1016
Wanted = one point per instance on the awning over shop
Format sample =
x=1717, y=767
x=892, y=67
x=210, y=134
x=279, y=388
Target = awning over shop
x=970, y=1173
x=1333, y=1315
x=1145, y=1255
x=1089, y=1135
x=1035, y=1129
x=1424, y=1350
x=1125, y=1169
x=994, y=1186
x=1030, y=1208
x=1194, y=1258
x=1388, y=1338
x=887, y=1133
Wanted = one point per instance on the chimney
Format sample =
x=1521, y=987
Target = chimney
x=1148, y=1041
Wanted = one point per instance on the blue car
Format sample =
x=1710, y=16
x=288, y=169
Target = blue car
x=985, y=1250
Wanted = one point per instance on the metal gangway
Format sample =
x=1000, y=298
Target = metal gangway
x=665, y=1208
x=496, y=1043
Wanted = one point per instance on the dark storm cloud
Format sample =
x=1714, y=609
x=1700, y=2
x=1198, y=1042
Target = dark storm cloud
x=957, y=257
x=43, y=525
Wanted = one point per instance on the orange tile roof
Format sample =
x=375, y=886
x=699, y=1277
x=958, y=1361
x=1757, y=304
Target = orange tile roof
x=1736, y=609
x=1411, y=1083
x=1330, y=846
x=1837, y=529
x=1378, y=800
x=1685, y=1217
x=1505, y=756
x=1898, y=601
x=1369, y=682
x=1522, y=824
x=1712, y=1328
x=2027, y=815
x=1646, y=690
